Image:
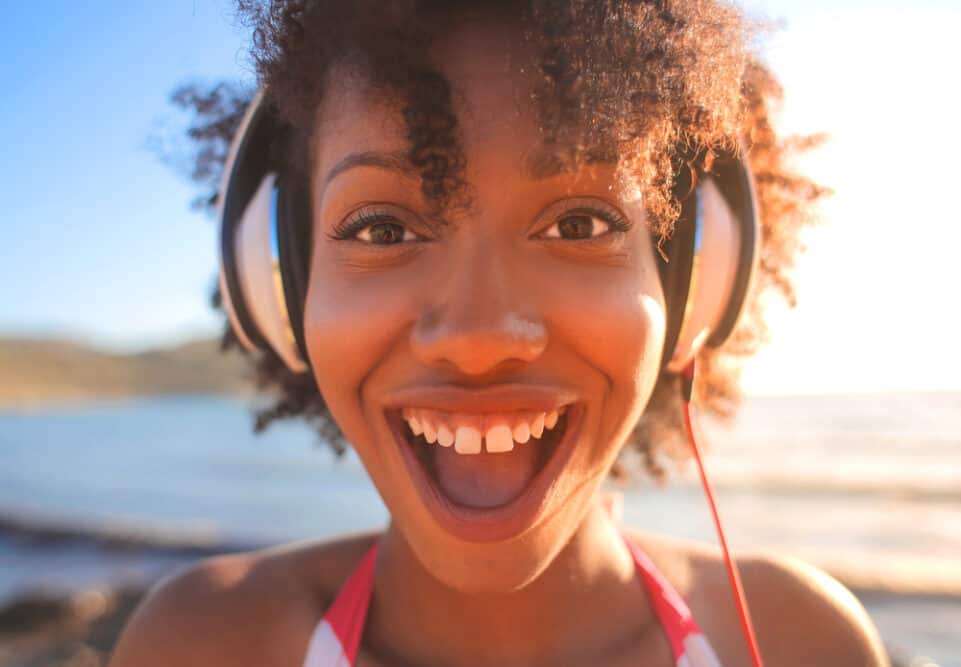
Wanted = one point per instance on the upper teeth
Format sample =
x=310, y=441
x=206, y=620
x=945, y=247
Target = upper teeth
x=467, y=431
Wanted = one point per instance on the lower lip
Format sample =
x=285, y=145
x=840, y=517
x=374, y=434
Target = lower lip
x=498, y=523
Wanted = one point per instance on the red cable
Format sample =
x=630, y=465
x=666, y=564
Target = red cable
x=732, y=571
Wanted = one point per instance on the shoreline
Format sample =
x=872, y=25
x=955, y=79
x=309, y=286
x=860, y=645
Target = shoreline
x=39, y=531
x=863, y=574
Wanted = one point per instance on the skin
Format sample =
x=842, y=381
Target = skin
x=489, y=297
x=517, y=306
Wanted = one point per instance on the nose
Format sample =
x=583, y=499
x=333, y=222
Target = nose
x=476, y=323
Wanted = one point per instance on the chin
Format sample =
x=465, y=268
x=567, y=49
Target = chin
x=498, y=567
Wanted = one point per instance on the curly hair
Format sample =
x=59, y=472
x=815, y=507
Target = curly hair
x=636, y=83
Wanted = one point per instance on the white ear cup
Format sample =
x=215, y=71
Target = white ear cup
x=251, y=284
x=717, y=249
x=258, y=268
x=228, y=301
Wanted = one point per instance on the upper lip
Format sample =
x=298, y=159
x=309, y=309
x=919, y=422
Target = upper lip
x=495, y=398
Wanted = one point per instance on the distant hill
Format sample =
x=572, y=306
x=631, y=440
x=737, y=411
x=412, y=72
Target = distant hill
x=40, y=371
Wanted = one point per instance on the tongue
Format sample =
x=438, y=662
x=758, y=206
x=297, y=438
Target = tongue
x=484, y=480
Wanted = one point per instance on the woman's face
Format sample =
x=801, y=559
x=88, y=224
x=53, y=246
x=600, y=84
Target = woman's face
x=537, y=306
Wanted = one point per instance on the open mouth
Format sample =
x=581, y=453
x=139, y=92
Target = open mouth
x=485, y=476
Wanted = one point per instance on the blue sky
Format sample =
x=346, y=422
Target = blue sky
x=97, y=240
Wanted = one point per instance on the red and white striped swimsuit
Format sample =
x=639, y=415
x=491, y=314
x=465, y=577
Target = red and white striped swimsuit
x=336, y=639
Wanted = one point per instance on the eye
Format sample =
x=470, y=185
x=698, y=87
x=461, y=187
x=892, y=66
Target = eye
x=581, y=226
x=385, y=233
x=374, y=227
x=584, y=223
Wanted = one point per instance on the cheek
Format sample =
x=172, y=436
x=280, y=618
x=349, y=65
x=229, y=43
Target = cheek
x=350, y=324
x=615, y=323
x=610, y=319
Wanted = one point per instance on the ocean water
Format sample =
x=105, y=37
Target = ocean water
x=868, y=487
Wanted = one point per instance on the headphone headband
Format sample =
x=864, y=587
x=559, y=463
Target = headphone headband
x=265, y=248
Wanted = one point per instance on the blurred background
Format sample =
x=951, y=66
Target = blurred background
x=126, y=447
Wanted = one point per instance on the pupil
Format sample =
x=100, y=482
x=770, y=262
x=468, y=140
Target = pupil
x=575, y=227
x=386, y=232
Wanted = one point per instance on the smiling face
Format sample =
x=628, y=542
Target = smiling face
x=522, y=335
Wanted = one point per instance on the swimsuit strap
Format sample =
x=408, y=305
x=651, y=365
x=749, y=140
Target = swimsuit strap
x=689, y=645
x=336, y=639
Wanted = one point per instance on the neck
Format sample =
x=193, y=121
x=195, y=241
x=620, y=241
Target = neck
x=587, y=601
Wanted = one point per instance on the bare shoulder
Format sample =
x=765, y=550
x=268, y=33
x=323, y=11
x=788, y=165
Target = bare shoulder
x=806, y=616
x=253, y=608
x=801, y=615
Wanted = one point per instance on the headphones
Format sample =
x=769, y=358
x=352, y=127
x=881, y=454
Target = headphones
x=265, y=250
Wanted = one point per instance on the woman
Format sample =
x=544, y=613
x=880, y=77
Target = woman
x=489, y=189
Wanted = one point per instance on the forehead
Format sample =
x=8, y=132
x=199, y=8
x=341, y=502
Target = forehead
x=491, y=71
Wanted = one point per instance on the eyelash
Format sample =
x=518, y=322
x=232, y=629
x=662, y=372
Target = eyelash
x=350, y=227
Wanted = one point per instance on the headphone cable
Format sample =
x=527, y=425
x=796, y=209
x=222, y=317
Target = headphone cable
x=687, y=384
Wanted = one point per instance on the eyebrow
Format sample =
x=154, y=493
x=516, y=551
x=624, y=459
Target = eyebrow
x=538, y=165
x=391, y=161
